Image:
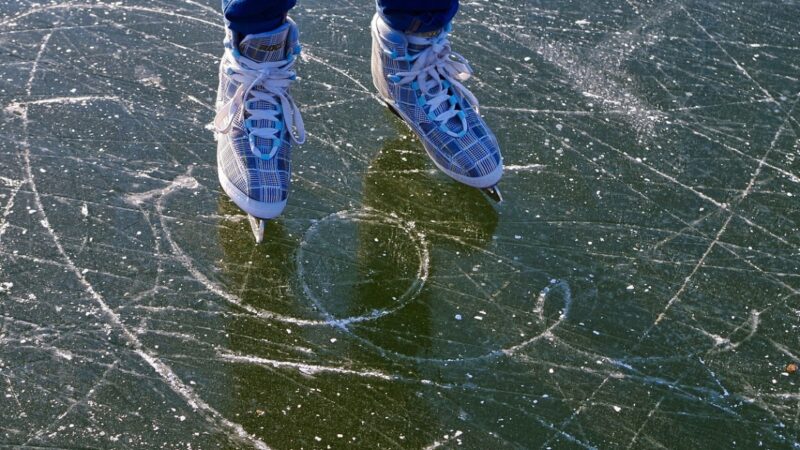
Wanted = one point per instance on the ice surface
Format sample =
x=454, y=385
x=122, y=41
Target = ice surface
x=638, y=288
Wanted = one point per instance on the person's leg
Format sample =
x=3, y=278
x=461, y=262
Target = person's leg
x=417, y=16
x=255, y=16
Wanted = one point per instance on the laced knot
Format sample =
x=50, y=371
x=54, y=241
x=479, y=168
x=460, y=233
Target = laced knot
x=437, y=73
x=259, y=83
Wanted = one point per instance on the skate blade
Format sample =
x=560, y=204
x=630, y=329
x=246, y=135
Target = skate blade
x=258, y=226
x=393, y=110
x=494, y=193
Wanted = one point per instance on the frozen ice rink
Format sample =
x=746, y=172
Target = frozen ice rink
x=639, y=288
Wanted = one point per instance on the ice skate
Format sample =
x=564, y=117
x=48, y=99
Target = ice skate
x=257, y=122
x=420, y=78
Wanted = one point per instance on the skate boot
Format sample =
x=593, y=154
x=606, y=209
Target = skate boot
x=257, y=121
x=420, y=78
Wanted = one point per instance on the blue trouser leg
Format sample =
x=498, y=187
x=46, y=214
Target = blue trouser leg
x=411, y=16
x=255, y=16
x=417, y=16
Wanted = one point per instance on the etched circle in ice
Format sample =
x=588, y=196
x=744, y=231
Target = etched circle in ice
x=361, y=265
x=546, y=311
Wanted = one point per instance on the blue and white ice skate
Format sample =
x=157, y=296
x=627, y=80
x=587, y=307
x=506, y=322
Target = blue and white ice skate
x=420, y=78
x=257, y=122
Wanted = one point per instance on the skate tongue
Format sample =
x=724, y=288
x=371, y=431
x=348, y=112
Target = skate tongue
x=271, y=46
x=266, y=47
x=418, y=42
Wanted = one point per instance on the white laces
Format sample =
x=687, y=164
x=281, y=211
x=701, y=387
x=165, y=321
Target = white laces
x=268, y=82
x=434, y=71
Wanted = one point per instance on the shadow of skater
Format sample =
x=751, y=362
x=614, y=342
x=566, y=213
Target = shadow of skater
x=357, y=264
x=401, y=182
x=261, y=275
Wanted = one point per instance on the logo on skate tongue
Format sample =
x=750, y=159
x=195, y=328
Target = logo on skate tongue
x=429, y=34
x=270, y=48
